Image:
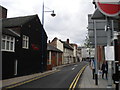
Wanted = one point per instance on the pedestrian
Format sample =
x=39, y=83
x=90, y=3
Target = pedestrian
x=93, y=68
x=104, y=69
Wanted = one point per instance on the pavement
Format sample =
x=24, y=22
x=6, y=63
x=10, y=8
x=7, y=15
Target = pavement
x=86, y=80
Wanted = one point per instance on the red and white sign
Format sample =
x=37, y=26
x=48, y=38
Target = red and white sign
x=109, y=7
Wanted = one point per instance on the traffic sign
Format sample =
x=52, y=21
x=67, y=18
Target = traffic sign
x=109, y=7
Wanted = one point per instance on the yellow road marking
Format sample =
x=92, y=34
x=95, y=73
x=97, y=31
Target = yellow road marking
x=21, y=83
x=80, y=73
x=75, y=81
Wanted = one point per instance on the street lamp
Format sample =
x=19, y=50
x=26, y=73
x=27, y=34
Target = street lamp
x=52, y=14
x=42, y=37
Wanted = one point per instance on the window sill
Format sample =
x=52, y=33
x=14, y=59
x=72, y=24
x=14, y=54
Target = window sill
x=7, y=51
x=25, y=48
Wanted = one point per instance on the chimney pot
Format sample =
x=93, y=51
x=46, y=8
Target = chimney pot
x=49, y=41
x=68, y=41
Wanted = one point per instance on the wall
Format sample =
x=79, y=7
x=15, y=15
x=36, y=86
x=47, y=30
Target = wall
x=29, y=60
x=68, y=56
x=59, y=45
x=54, y=59
x=3, y=12
x=87, y=52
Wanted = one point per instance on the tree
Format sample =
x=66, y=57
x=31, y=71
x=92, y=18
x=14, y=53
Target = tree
x=87, y=42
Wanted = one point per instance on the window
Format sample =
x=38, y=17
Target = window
x=8, y=43
x=25, y=43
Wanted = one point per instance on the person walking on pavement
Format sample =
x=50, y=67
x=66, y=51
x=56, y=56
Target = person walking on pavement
x=104, y=69
x=93, y=67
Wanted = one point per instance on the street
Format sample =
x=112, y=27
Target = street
x=61, y=79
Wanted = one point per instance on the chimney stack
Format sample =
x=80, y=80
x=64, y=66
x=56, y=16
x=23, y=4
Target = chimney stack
x=49, y=41
x=68, y=41
x=3, y=12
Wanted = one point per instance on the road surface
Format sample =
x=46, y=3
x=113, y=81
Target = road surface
x=63, y=78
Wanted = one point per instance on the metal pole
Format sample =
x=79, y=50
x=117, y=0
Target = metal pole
x=109, y=62
x=0, y=53
x=116, y=65
x=43, y=14
x=96, y=69
x=42, y=37
x=113, y=44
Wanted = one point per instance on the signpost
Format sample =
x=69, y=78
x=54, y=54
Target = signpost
x=110, y=8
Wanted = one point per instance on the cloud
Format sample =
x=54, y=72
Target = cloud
x=70, y=21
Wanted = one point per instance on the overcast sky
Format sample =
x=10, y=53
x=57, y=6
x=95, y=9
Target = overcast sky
x=71, y=16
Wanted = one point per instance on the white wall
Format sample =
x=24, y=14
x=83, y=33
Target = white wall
x=85, y=52
x=60, y=45
x=74, y=51
x=79, y=54
x=68, y=56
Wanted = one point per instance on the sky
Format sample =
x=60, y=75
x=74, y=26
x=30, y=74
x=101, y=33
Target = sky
x=71, y=18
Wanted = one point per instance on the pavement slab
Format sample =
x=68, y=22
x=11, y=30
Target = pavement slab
x=86, y=80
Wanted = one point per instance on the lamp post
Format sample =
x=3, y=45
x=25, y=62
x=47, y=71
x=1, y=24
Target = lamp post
x=0, y=53
x=42, y=36
x=43, y=11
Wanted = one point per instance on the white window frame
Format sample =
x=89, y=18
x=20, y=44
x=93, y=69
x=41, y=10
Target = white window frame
x=49, y=60
x=10, y=41
x=25, y=42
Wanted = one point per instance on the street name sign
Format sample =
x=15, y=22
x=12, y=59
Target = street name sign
x=109, y=8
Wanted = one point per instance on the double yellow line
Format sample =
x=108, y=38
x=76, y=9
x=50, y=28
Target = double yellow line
x=37, y=77
x=75, y=81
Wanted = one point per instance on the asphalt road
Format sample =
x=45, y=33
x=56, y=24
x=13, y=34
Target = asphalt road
x=60, y=79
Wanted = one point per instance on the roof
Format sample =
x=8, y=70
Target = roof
x=16, y=21
x=10, y=32
x=66, y=45
x=52, y=48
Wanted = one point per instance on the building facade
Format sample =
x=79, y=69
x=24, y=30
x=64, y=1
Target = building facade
x=57, y=44
x=54, y=57
x=79, y=54
x=21, y=46
x=67, y=52
x=87, y=53
x=66, y=48
x=75, y=59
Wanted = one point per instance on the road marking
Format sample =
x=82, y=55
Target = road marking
x=75, y=81
x=75, y=65
x=73, y=68
x=35, y=78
